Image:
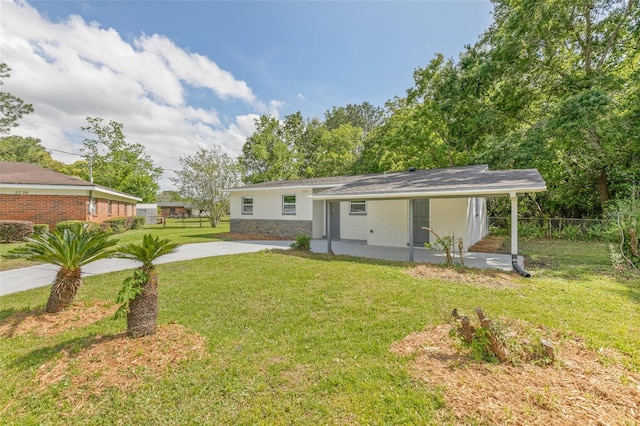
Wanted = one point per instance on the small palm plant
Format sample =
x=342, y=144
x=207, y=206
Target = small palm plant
x=70, y=249
x=139, y=293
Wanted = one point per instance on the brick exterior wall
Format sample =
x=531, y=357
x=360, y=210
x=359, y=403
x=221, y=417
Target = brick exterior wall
x=168, y=211
x=51, y=209
x=277, y=228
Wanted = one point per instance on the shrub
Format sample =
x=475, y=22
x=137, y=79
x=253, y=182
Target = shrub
x=15, y=230
x=303, y=242
x=138, y=222
x=40, y=228
x=72, y=224
x=571, y=233
x=117, y=224
x=530, y=230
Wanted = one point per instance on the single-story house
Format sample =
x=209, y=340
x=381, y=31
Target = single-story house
x=32, y=193
x=178, y=209
x=384, y=209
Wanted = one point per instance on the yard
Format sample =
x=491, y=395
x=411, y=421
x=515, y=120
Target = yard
x=274, y=338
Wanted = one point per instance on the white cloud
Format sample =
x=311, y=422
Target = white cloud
x=73, y=69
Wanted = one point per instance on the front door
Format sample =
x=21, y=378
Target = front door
x=420, y=220
x=334, y=219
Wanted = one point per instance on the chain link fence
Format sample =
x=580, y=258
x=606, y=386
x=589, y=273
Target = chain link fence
x=568, y=229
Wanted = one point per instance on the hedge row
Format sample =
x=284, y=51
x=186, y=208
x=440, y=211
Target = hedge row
x=15, y=230
x=18, y=230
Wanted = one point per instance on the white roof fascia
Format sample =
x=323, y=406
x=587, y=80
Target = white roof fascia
x=78, y=188
x=271, y=188
x=44, y=186
x=107, y=191
x=505, y=192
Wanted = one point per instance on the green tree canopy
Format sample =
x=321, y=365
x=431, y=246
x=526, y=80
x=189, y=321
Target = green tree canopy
x=118, y=164
x=12, y=108
x=204, y=177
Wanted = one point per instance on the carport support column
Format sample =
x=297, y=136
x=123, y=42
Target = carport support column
x=514, y=227
x=327, y=212
x=411, y=230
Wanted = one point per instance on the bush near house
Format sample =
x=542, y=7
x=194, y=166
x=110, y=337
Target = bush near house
x=15, y=230
x=72, y=224
x=118, y=224
x=138, y=222
x=40, y=228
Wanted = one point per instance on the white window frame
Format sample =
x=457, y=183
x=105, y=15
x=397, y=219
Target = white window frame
x=288, y=207
x=244, y=205
x=109, y=208
x=358, y=212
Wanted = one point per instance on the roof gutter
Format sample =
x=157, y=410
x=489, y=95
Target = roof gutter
x=82, y=188
x=501, y=192
x=272, y=188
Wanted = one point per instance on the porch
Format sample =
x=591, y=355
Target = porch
x=420, y=254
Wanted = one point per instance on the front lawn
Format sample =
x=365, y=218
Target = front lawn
x=300, y=339
x=177, y=230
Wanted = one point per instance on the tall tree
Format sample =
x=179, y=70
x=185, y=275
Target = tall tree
x=563, y=68
x=118, y=164
x=12, y=108
x=24, y=150
x=203, y=179
x=365, y=116
x=268, y=154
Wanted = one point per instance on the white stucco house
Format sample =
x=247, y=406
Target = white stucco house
x=384, y=209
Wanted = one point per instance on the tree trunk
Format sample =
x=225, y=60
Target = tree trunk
x=64, y=289
x=142, y=318
x=603, y=188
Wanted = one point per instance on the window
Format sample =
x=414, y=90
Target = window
x=288, y=204
x=109, y=208
x=247, y=205
x=358, y=207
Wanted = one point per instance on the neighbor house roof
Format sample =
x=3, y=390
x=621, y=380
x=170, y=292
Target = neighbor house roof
x=465, y=181
x=24, y=175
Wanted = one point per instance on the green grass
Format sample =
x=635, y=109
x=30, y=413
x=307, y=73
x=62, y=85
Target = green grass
x=305, y=340
x=177, y=230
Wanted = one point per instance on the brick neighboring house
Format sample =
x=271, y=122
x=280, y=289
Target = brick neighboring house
x=32, y=193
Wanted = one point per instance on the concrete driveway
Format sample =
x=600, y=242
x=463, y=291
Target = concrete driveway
x=16, y=280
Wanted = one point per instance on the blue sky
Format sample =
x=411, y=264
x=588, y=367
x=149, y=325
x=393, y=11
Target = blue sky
x=195, y=73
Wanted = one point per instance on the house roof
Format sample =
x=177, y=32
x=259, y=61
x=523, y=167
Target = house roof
x=464, y=181
x=32, y=176
x=174, y=204
x=323, y=182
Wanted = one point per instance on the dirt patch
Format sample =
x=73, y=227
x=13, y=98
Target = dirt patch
x=485, y=278
x=101, y=362
x=489, y=244
x=120, y=362
x=41, y=323
x=581, y=387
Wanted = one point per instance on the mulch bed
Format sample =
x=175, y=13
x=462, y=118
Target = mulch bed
x=481, y=277
x=40, y=323
x=103, y=361
x=489, y=244
x=582, y=387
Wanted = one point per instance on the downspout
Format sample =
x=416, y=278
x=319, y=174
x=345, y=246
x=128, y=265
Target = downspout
x=514, y=237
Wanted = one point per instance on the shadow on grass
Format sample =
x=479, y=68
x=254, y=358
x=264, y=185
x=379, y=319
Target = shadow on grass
x=340, y=258
x=39, y=356
x=632, y=285
x=5, y=313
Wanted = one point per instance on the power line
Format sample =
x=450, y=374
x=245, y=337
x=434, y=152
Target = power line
x=64, y=152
